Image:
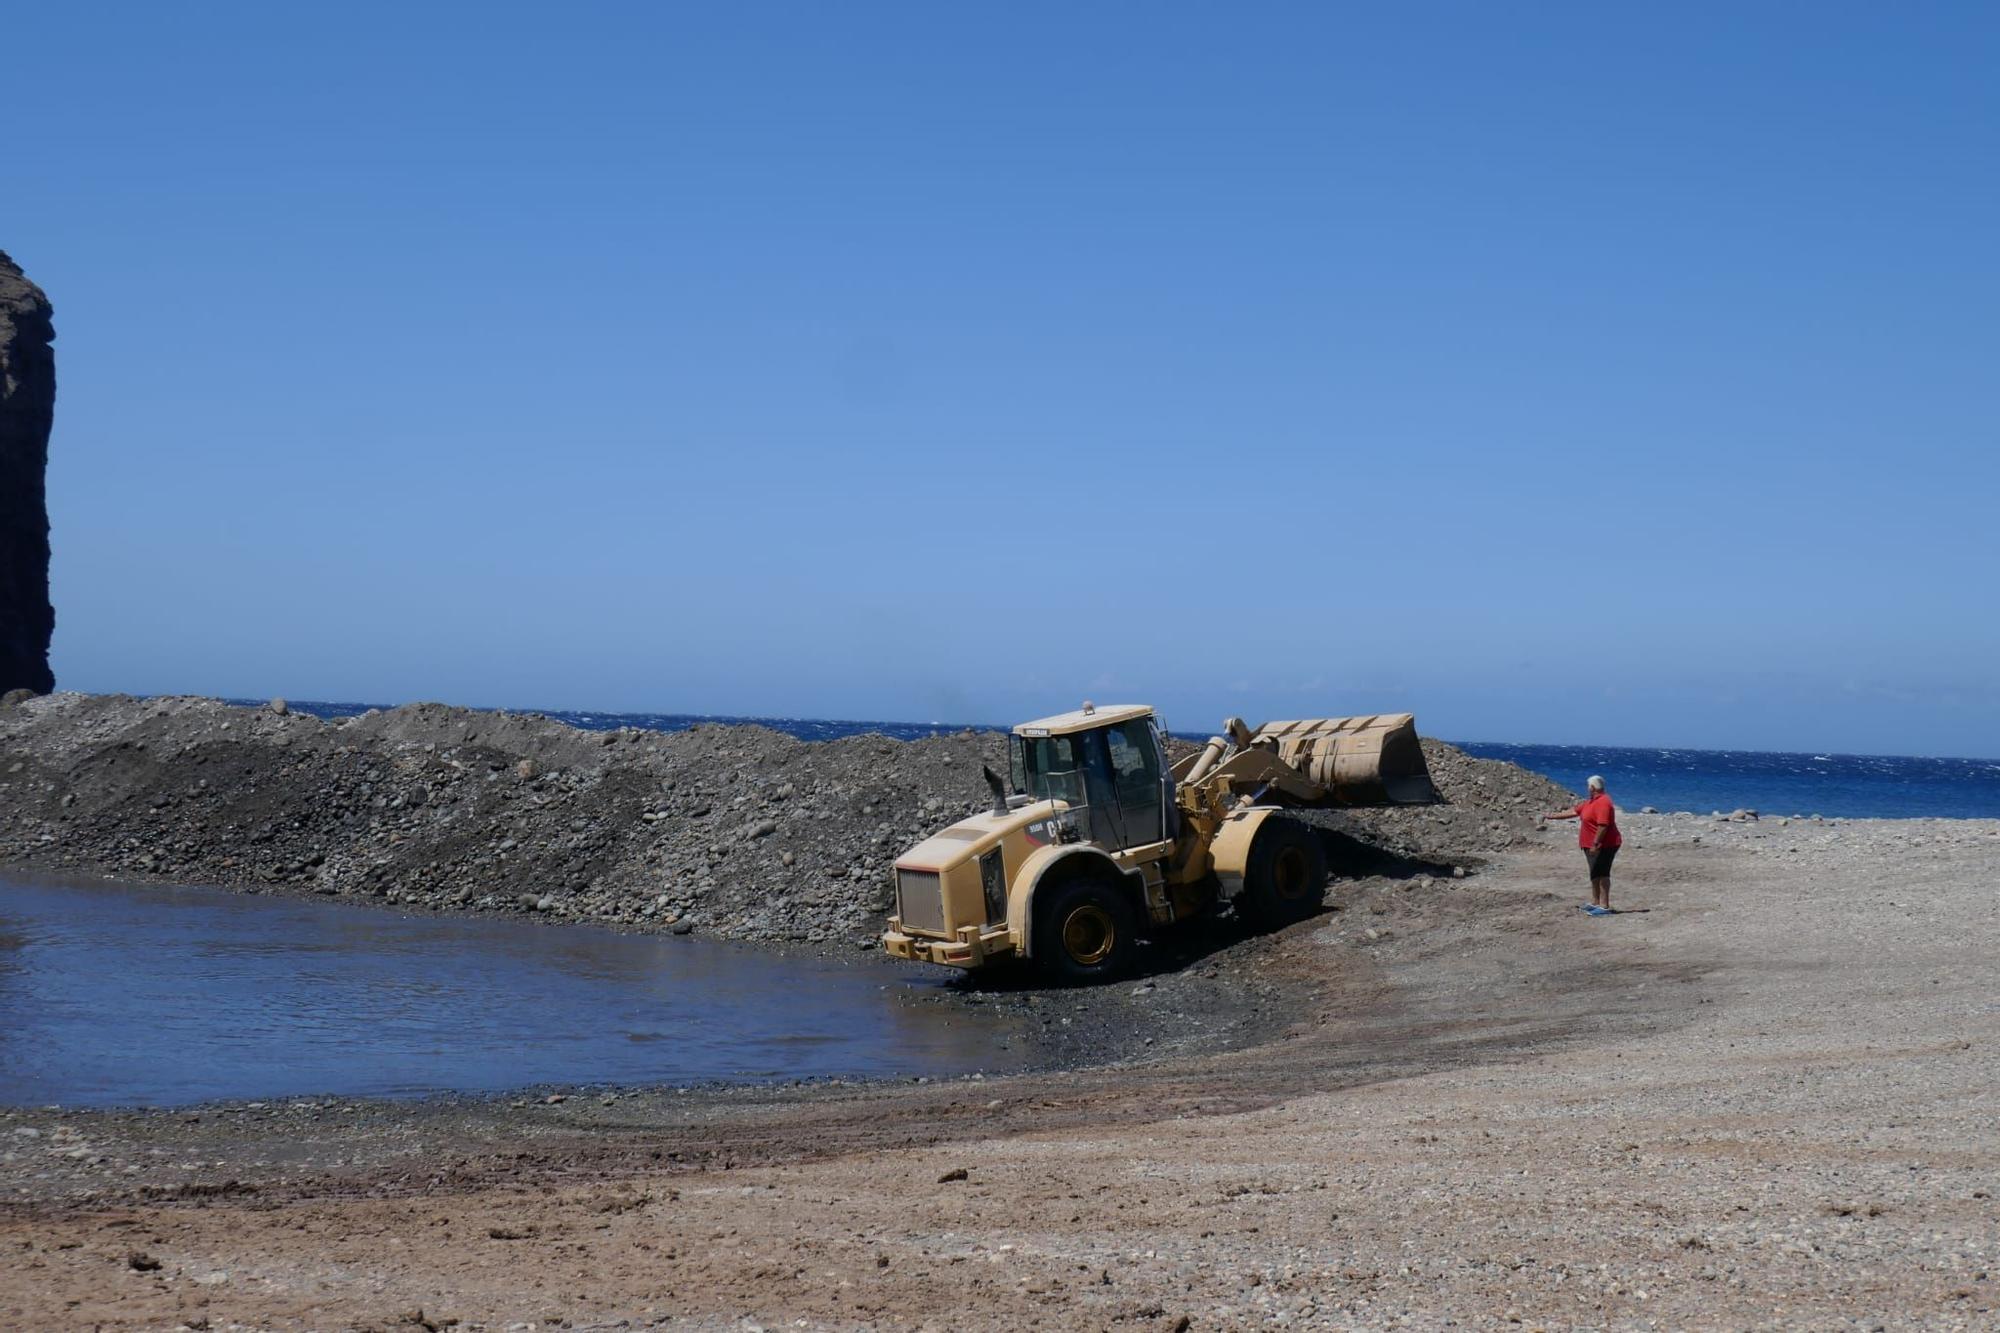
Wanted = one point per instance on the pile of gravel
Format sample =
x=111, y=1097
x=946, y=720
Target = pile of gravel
x=1489, y=805
x=735, y=831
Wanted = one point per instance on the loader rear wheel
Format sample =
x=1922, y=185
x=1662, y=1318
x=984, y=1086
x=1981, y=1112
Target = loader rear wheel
x=1085, y=931
x=1285, y=879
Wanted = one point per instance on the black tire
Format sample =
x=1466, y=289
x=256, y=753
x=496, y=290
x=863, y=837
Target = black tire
x=1285, y=880
x=1085, y=931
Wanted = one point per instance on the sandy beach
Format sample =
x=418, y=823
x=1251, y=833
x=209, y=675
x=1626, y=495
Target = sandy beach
x=1766, y=1100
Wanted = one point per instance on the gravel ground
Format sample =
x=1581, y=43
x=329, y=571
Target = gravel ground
x=734, y=831
x=1763, y=1098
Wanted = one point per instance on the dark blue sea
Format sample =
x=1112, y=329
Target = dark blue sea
x=1847, y=786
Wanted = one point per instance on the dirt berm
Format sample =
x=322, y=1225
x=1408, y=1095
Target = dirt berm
x=735, y=831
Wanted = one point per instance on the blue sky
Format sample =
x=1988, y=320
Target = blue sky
x=1592, y=373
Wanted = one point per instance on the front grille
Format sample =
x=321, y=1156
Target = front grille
x=920, y=901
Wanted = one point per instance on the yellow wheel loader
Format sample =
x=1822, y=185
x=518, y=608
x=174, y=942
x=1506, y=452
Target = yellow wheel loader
x=1097, y=840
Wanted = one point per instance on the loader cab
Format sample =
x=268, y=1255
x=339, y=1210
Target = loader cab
x=1108, y=764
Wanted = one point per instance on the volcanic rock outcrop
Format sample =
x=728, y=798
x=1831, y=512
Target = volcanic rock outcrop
x=27, y=408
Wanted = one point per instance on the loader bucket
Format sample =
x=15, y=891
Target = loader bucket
x=1374, y=760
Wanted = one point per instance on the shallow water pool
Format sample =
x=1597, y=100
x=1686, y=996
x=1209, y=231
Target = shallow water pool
x=119, y=995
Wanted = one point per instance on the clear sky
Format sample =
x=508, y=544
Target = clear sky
x=1612, y=373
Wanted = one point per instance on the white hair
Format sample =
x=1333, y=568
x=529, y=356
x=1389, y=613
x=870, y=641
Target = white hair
x=1594, y=782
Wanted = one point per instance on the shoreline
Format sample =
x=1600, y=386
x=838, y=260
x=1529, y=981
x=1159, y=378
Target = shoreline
x=1771, y=1101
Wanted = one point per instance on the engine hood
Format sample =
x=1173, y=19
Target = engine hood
x=976, y=835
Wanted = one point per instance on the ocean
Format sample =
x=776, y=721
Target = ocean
x=1843, y=786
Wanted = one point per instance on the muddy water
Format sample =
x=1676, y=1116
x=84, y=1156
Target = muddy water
x=115, y=995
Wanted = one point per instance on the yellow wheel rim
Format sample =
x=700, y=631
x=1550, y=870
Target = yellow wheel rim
x=1089, y=935
x=1288, y=876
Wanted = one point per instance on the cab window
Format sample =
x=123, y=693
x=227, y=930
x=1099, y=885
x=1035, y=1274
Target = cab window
x=1135, y=767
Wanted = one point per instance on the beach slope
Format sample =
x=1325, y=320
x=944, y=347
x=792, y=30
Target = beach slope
x=1769, y=1099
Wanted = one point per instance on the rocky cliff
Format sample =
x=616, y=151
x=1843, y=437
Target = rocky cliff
x=27, y=407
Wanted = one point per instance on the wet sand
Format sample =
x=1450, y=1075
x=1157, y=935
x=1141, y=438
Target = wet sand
x=1768, y=1101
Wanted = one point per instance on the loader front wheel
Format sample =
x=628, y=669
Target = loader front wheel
x=1086, y=931
x=1285, y=878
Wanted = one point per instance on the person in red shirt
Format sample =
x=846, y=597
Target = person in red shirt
x=1597, y=834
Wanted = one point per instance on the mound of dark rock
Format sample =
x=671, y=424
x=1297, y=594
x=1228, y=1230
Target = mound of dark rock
x=1488, y=806
x=735, y=831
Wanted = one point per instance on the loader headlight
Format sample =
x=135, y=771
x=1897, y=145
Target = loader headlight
x=993, y=881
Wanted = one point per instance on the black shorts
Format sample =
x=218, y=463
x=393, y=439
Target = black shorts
x=1600, y=859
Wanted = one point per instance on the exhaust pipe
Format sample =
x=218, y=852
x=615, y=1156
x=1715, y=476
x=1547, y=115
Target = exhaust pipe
x=999, y=789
